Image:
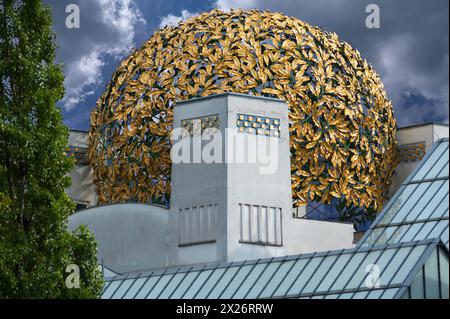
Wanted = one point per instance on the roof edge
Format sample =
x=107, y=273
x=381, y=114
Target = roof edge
x=422, y=124
x=214, y=265
x=202, y=98
x=78, y=131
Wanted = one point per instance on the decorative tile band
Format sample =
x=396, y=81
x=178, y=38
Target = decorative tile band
x=197, y=125
x=411, y=152
x=259, y=125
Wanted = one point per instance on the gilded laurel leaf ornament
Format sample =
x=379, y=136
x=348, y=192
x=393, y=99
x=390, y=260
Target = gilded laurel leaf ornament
x=342, y=124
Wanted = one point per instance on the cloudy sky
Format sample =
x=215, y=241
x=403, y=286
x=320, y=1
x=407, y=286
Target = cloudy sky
x=410, y=50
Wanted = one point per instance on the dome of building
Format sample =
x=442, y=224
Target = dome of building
x=341, y=122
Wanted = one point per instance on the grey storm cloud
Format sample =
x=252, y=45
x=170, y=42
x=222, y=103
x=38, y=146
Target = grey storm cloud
x=409, y=50
x=107, y=29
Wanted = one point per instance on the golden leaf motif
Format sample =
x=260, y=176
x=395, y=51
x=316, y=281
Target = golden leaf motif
x=241, y=51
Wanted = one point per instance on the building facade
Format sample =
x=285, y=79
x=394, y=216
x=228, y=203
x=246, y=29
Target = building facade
x=230, y=231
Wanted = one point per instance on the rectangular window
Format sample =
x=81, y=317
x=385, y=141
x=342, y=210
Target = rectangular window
x=197, y=225
x=260, y=225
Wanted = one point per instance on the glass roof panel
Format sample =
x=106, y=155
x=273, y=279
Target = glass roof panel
x=405, y=268
x=210, y=283
x=134, y=288
x=363, y=270
x=123, y=288
x=340, y=274
x=262, y=280
x=332, y=296
x=109, y=291
x=443, y=205
x=276, y=279
x=105, y=285
x=334, y=272
x=400, y=231
x=384, y=259
x=389, y=267
x=347, y=295
x=250, y=280
x=184, y=285
x=438, y=167
x=305, y=275
x=172, y=285
x=346, y=273
x=223, y=283
x=427, y=231
x=439, y=230
x=291, y=276
x=197, y=284
x=142, y=293
x=438, y=206
x=411, y=202
x=444, y=172
x=159, y=286
x=430, y=161
x=237, y=281
x=425, y=200
x=374, y=294
x=412, y=231
x=397, y=204
x=320, y=273
x=361, y=295
x=407, y=216
x=390, y=293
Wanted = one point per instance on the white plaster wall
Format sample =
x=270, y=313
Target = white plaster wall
x=130, y=237
x=428, y=134
x=247, y=185
x=310, y=236
x=195, y=184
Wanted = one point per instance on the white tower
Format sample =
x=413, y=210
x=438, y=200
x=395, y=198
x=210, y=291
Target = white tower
x=240, y=206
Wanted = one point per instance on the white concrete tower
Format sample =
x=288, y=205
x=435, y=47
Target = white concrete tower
x=240, y=206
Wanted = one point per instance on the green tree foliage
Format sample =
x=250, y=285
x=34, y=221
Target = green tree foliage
x=35, y=245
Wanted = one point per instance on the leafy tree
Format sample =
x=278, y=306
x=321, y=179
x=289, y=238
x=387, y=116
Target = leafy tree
x=35, y=245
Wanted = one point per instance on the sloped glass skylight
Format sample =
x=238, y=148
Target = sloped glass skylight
x=420, y=209
x=334, y=274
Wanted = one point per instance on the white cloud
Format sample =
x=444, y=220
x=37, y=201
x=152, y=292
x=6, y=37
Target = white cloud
x=172, y=20
x=80, y=76
x=110, y=29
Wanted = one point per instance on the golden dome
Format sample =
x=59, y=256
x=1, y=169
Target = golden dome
x=341, y=121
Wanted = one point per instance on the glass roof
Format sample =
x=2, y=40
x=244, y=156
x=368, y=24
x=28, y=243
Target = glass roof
x=419, y=210
x=334, y=274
